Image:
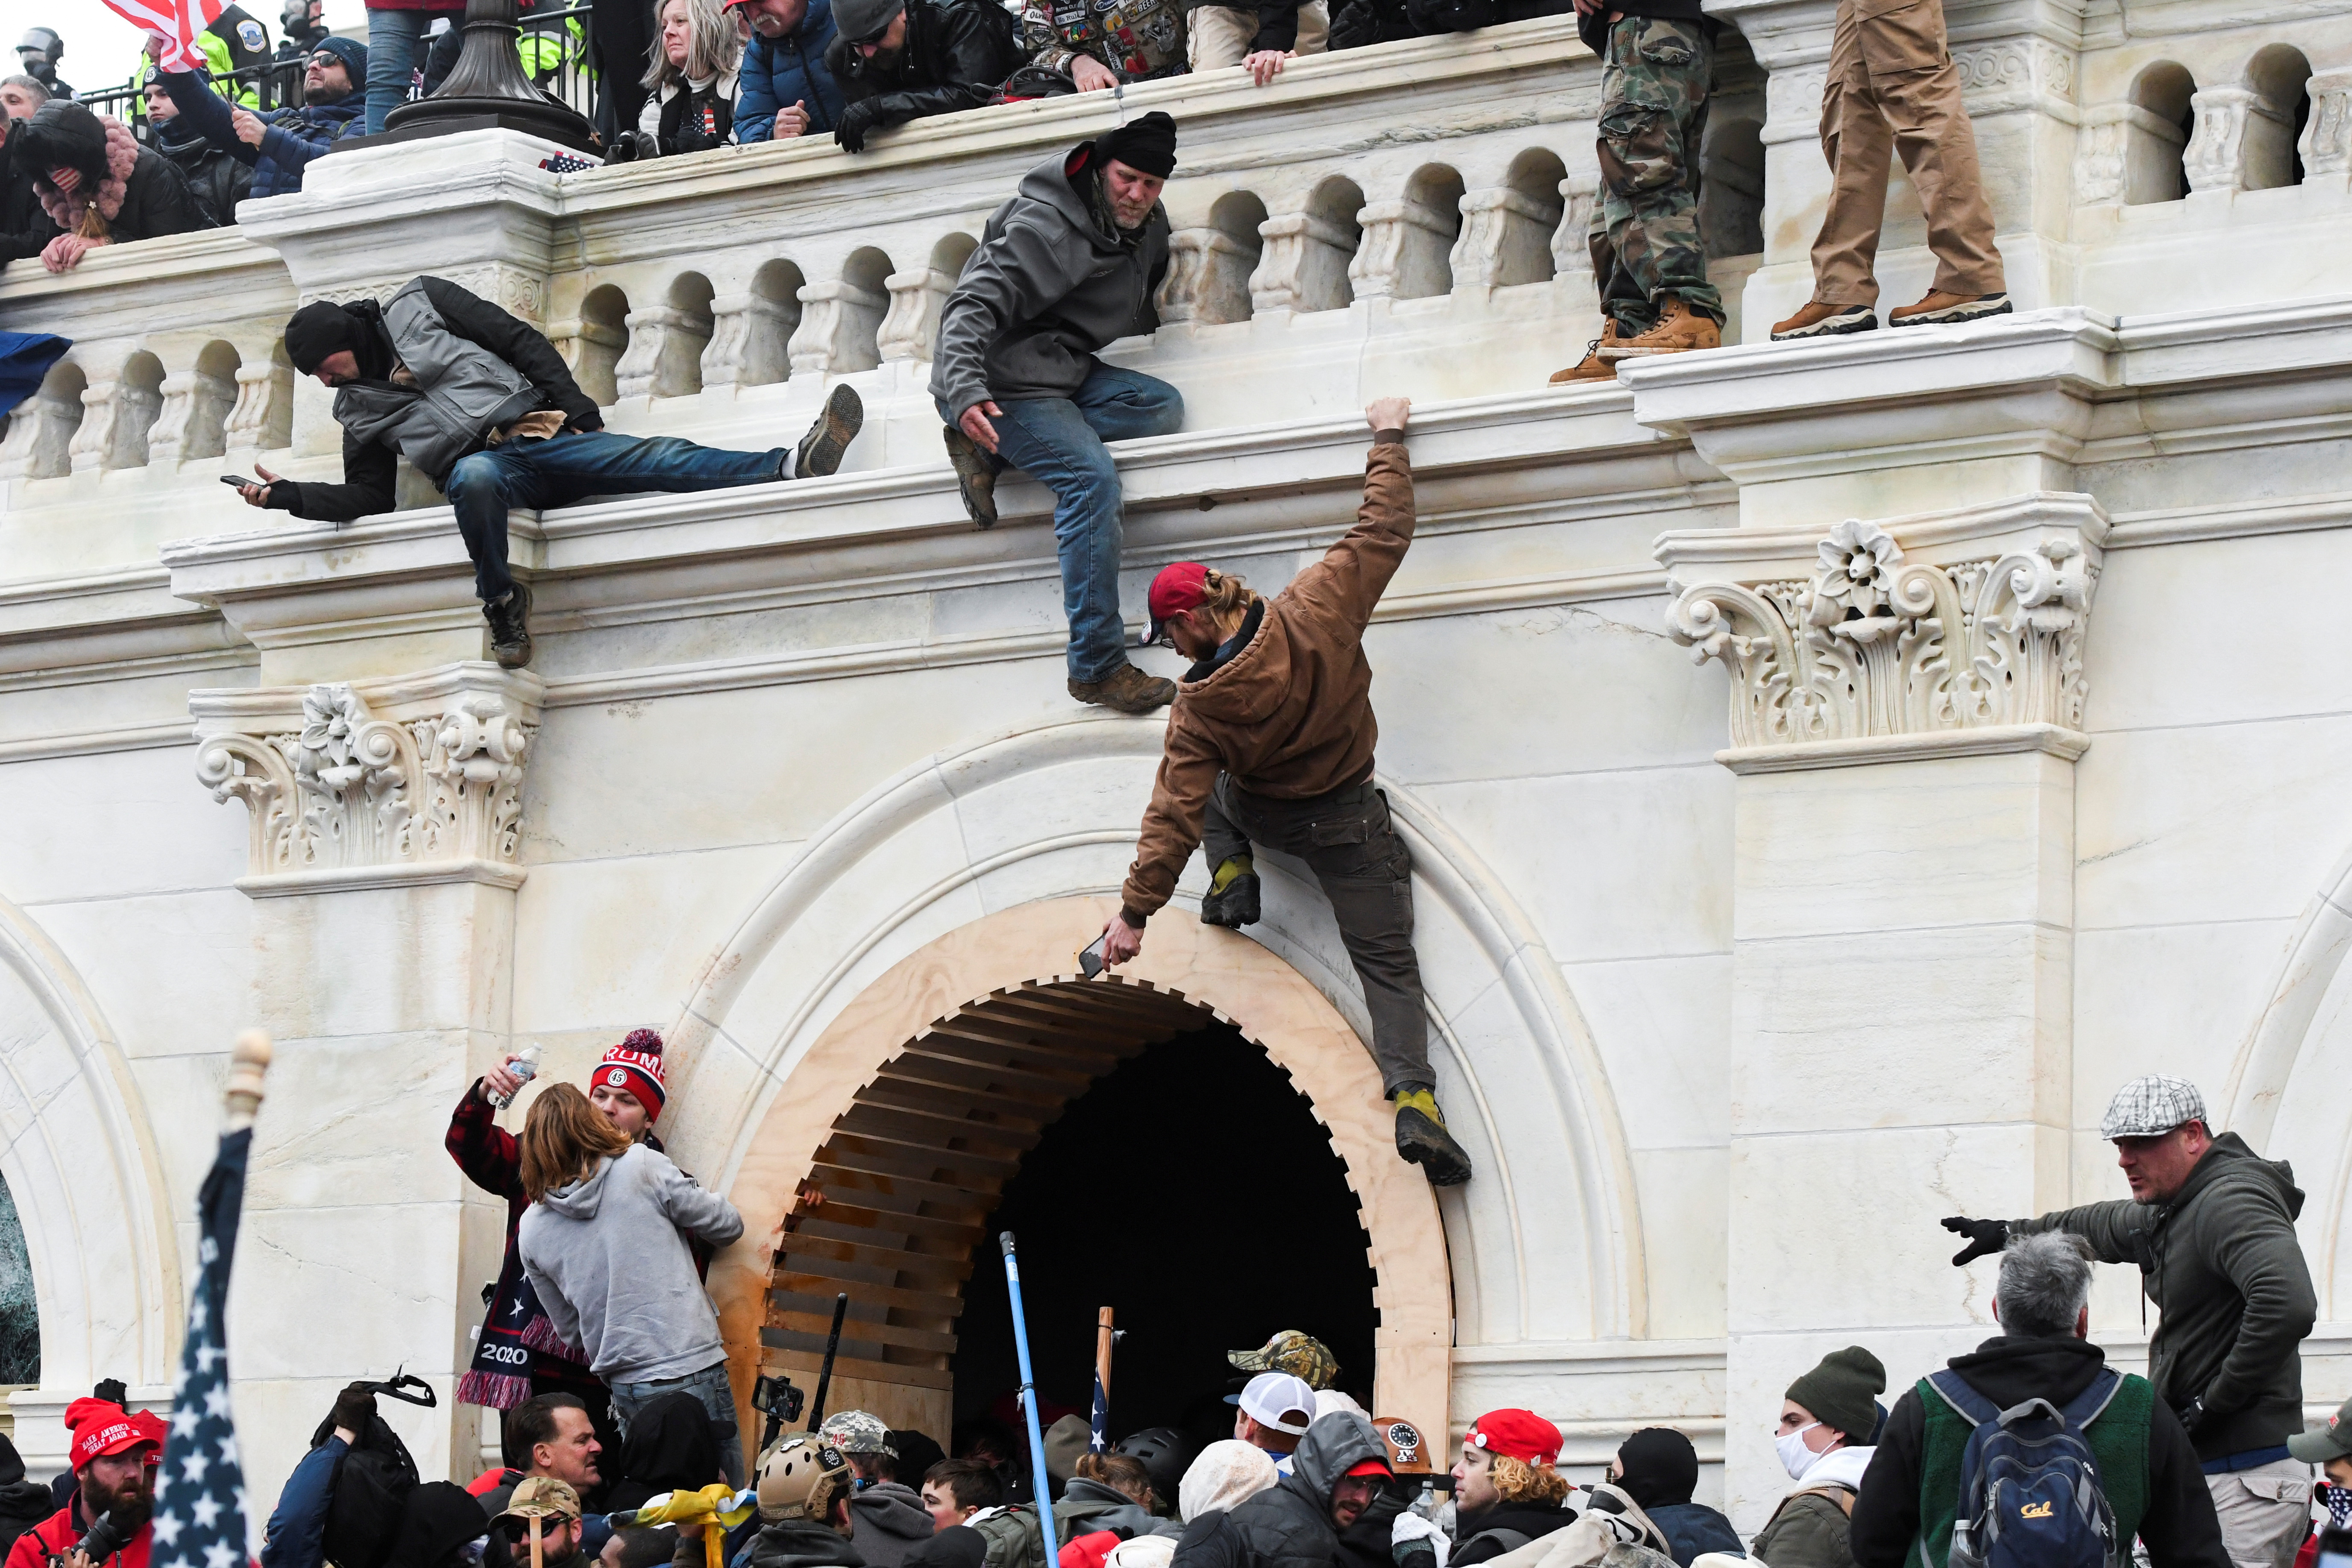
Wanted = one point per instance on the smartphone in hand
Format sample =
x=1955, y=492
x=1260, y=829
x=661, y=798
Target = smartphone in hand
x=1090, y=958
x=239, y=480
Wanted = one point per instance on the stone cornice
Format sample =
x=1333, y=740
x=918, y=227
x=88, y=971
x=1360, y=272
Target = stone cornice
x=1995, y=740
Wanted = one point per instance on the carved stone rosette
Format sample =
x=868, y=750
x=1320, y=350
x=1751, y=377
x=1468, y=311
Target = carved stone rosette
x=1873, y=644
x=409, y=795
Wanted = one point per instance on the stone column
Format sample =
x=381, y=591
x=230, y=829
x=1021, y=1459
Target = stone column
x=665, y=353
x=1506, y=238
x=383, y=821
x=1303, y=264
x=748, y=335
x=912, y=328
x=839, y=324
x=2326, y=144
x=1208, y=280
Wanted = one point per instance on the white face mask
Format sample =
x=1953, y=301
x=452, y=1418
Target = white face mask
x=1795, y=1457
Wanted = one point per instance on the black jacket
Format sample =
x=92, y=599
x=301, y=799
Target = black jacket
x=2180, y=1527
x=695, y=121
x=671, y=1446
x=957, y=55
x=2222, y=1262
x=369, y=468
x=1526, y=1520
x=23, y=1503
x=25, y=231
x=217, y=181
x=1212, y=1541
x=795, y=1544
x=1691, y=1528
x=1288, y=1525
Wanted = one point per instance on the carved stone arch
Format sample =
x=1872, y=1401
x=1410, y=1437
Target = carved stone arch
x=80, y=1161
x=1039, y=826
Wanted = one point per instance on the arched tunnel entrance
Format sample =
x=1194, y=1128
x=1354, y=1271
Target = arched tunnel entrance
x=1148, y=1155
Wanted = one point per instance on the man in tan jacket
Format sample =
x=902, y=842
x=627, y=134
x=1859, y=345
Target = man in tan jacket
x=1270, y=741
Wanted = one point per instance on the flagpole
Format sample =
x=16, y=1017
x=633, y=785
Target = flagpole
x=249, y=1060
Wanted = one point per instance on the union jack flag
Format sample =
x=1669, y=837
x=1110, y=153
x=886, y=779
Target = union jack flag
x=179, y=21
x=200, y=1506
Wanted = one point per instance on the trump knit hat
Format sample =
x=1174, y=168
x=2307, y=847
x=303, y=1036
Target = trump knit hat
x=100, y=1427
x=635, y=1065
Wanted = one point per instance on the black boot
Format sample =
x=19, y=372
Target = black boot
x=509, y=633
x=1236, y=905
x=1422, y=1138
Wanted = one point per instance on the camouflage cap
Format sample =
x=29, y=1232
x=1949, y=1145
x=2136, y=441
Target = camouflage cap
x=857, y=1432
x=1300, y=1354
x=542, y=1497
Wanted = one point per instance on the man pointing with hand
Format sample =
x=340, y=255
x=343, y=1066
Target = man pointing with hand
x=1270, y=742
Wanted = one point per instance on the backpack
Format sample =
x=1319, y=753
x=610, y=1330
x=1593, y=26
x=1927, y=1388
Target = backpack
x=371, y=1486
x=1014, y=1538
x=2030, y=1490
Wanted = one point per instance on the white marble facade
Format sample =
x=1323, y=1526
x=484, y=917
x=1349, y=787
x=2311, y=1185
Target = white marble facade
x=1829, y=768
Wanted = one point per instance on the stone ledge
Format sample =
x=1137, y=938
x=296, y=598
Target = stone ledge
x=1861, y=750
x=357, y=879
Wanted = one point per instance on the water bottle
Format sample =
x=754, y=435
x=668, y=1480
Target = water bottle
x=525, y=1066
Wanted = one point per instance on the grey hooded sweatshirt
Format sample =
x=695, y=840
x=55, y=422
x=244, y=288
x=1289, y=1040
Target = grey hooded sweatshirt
x=2222, y=1262
x=608, y=1258
x=1048, y=287
x=888, y=1522
x=1288, y=1525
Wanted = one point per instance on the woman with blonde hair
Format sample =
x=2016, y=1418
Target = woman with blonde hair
x=1506, y=1492
x=604, y=1244
x=691, y=80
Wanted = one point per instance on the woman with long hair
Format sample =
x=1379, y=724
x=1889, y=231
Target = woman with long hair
x=691, y=80
x=606, y=1246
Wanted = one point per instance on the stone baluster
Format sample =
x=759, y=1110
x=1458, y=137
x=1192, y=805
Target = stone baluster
x=1304, y=265
x=748, y=333
x=839, y=324
x=117, y=413
x=2230, y=148
x=41, y=429
x=1402, y=253
x=911, y=329
x=592, y=351
x=1506, y=238
x=2326, y=144
x=664, y=354
x=1208, y=279
x=1571, y=246
x=2102, y=154
x=195, y=420
x=263, y=417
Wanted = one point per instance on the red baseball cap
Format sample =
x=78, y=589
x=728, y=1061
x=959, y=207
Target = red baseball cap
x=1368, y=1467
x=1522, y=1434
x=102, y=1428
x=1179, y=587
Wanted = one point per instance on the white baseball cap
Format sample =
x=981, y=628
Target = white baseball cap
x=1279, y=1400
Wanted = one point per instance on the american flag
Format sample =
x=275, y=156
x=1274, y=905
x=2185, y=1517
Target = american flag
x=200, y=1490
x=179, y=21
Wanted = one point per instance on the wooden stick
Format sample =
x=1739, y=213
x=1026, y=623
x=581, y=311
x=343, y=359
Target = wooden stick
x=1103, y=1339
x=249, y=1060
x=535, y=1548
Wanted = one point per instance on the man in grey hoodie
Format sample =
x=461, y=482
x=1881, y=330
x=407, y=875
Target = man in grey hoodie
x=607, y=1254
x=887, y=1521
x=2211, y=1225
x=1066, y=267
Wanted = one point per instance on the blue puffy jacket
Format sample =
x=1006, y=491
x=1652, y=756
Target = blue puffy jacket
x=780, y=72
x=295, y=136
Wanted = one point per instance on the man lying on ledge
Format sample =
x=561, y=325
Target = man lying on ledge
x=488, y=411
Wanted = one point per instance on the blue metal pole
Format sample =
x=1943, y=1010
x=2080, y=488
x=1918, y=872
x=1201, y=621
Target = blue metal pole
x=1041, y=1484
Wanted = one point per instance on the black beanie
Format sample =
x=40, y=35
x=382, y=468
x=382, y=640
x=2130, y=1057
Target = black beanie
x=1842, y=1392
x=1661, y=1467
x=319, y=329
x=1147, y=145
x=60, y=134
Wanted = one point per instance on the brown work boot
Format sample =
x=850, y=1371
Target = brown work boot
x=1820, y=320
x=1679, y=331
x=1592, y=367
x=1942, y=310
x=1126, y=689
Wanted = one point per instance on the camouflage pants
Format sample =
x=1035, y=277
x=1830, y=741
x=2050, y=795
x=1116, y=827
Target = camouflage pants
x=1644, y=235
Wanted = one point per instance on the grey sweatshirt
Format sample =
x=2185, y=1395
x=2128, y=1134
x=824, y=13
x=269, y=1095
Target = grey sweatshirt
x=1048, y=287
x=609, y=1259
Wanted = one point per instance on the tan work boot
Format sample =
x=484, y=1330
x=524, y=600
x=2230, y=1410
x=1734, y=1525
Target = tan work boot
x=1126, y=689
x=1679, y=331
x=1592, y=367
x=1942, y=310
x=1820, y=320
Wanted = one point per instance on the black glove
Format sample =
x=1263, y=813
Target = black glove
x=856, y=120
x=1986, y=1237
x=1416, y=1553
x=111, y=1389
x=354, y=1407
x=2191, y=1412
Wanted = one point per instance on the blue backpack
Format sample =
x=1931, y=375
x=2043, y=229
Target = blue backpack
x=2030, y=1491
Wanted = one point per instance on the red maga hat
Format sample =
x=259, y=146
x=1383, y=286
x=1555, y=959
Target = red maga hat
x=102, y=1428
x=1521, y=1434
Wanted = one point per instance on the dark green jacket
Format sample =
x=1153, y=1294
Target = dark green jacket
x=1810, y=1530
x=2221, y=1263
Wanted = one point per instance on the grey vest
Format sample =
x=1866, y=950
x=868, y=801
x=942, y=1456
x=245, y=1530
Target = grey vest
x=463, y=390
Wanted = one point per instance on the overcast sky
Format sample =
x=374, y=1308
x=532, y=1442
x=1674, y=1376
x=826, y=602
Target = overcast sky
x=102, y=49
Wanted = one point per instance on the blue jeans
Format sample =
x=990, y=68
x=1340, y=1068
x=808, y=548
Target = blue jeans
x=567, y=468
x=1059, y=440
x=708, y=1385
x=392, y=58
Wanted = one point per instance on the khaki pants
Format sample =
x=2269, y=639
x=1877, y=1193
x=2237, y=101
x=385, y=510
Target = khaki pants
x=2265, y=1511
x=1888, y=62
x=1221, y=34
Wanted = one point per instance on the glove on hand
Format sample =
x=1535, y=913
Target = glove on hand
x=856, y=120
x=1986, y=1237
x=2192, y=1415
x=353, y=1407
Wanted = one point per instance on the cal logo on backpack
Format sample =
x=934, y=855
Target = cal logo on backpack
x=2030, y=1490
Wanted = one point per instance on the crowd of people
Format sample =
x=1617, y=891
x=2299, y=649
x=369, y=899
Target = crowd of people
x=620, y=1445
